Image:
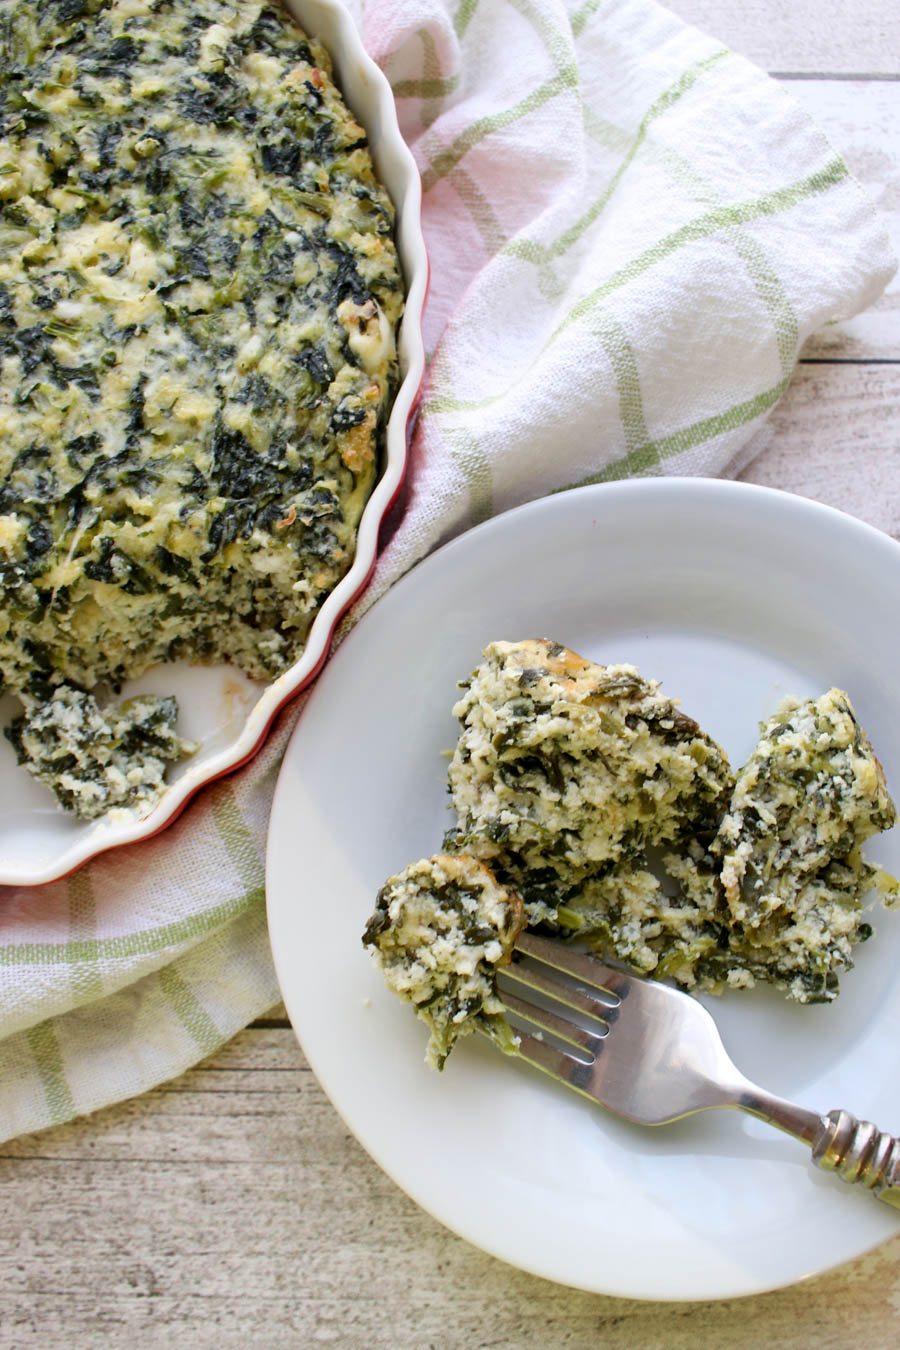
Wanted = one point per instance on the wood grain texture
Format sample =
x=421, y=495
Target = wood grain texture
x=836, y=438
x=808, y=37
x=861, y=118
x=232, y=1208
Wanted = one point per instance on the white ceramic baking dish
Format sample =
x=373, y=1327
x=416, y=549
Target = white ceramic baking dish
x=227, y=713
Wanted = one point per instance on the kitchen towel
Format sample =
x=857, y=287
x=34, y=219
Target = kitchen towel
x=632, y=232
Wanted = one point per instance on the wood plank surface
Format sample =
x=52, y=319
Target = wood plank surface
x=232, y=1207
x=806, y=37
x=836, y=438
x=861, y=118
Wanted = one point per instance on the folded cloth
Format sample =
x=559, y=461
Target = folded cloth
x=632, y=232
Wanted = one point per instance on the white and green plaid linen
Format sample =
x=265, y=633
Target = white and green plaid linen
x=632, y=233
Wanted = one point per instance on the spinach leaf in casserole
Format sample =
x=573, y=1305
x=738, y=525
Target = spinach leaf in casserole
x=620, y=824
x=99, y=759
x=670, y=923
x=198, y=296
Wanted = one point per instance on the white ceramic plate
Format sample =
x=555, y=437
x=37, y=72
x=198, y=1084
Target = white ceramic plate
x=219, y=707
x=733, y=596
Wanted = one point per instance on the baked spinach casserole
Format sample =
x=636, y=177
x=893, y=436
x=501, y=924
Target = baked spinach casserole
x=609, y=819
x=199, y=294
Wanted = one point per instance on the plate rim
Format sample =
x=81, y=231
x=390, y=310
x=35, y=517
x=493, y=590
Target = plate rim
x=102, y=835
x=644, y=487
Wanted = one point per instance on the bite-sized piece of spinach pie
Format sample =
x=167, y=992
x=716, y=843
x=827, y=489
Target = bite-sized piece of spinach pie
x=199, y=291
x=793, y=874
x=564, y=767
x=440, y=930
x=98, y=760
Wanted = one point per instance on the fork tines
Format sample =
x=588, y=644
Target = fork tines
x=605, y=981
x=557, y=983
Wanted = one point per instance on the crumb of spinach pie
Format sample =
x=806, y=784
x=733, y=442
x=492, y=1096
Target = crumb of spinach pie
x=440, y=930
x=199, y=291
x=99, y=759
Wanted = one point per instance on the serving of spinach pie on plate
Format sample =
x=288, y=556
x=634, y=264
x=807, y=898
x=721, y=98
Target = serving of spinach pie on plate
x=734, y=842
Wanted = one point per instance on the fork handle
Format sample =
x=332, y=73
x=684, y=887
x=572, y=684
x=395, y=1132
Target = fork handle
x=857, y=1151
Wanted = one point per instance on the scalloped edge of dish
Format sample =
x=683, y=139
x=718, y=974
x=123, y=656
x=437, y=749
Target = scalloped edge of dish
x=370, y=97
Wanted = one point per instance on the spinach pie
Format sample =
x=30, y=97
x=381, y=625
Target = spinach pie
x=440, y=930
x=564, y=767
x=613, y=821
x=199, y=294
x=790, y=845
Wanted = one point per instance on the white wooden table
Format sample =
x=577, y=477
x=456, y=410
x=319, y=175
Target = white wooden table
x=231, y=1208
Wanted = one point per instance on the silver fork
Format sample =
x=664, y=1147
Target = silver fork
x=653, y=1054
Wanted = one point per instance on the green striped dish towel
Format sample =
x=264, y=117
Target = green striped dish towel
x=632, y=233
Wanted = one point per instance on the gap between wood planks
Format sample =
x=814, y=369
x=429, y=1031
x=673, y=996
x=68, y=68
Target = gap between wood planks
x=823, y=75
